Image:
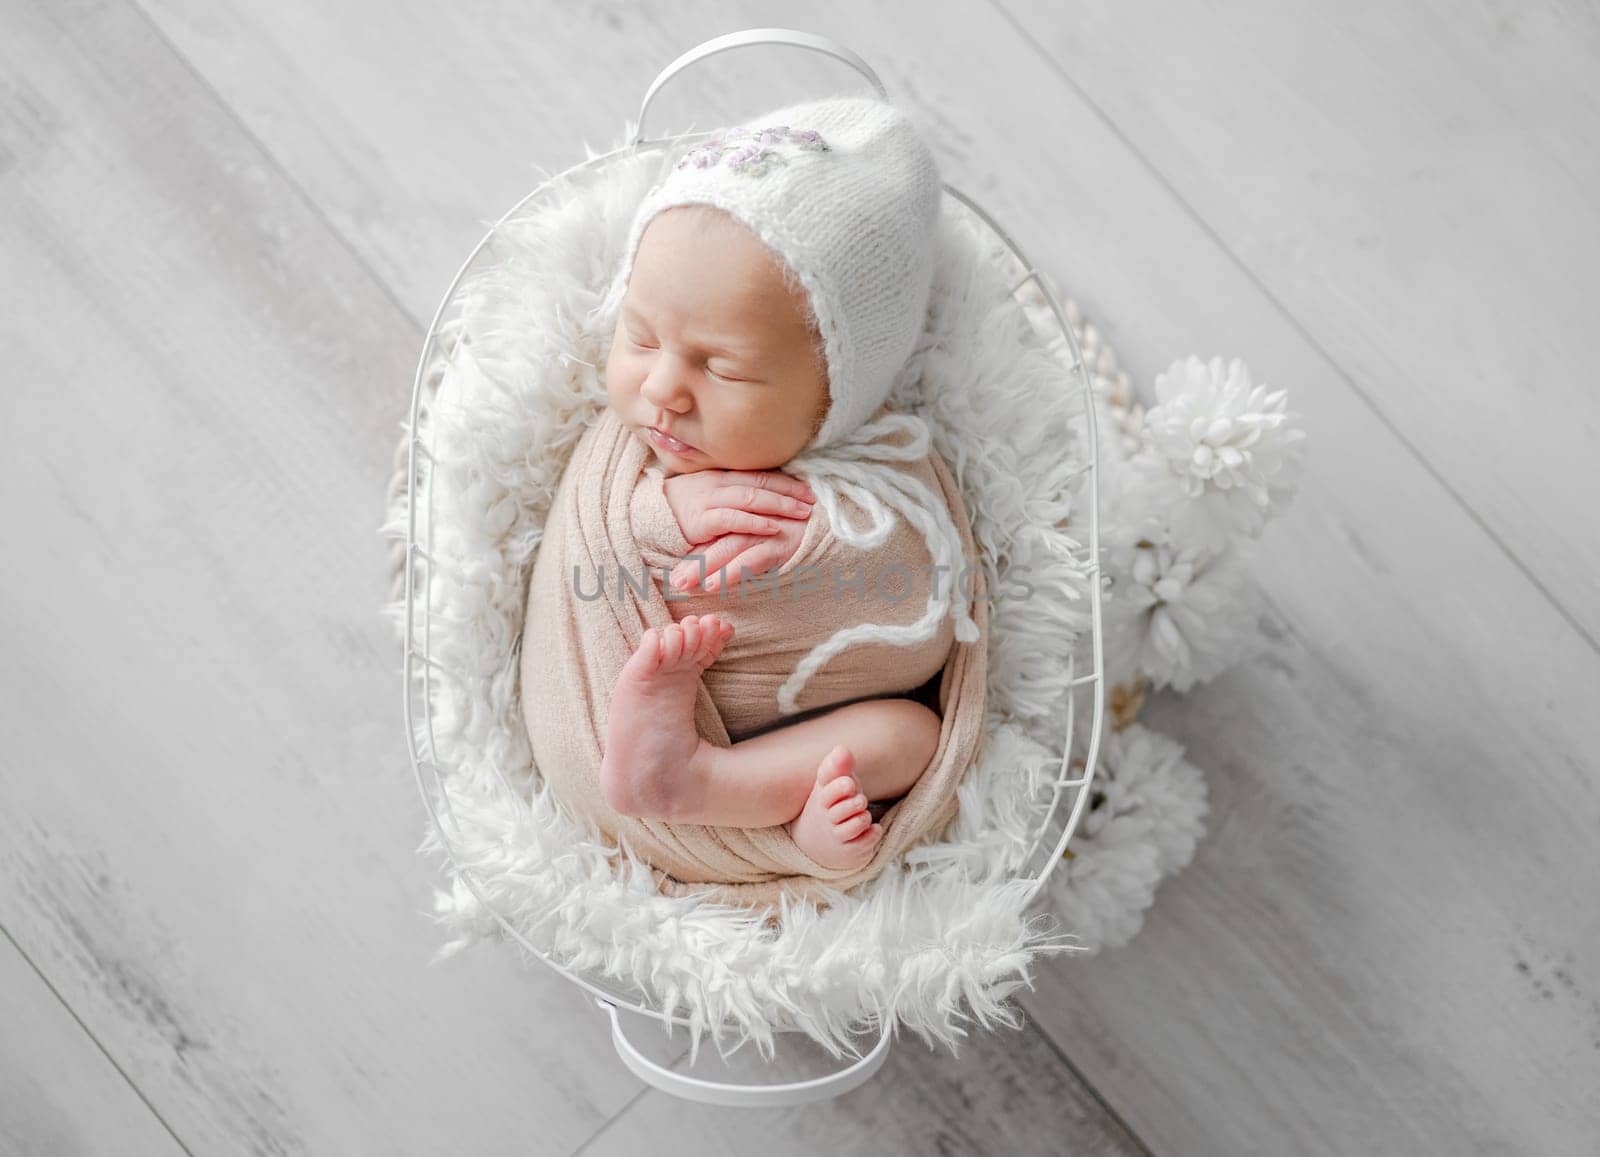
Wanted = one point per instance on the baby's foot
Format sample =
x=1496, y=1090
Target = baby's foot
x=650, y=735
x=834, y=828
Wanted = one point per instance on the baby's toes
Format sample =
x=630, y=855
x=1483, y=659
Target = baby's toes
x=646, y=656
x=706, y=636
x=714, y=632
x=867, y=838
x=837, y=764
x=835, y=790
x=693, y=636
x=853, y=825
x=671, y=646
x=848, y=806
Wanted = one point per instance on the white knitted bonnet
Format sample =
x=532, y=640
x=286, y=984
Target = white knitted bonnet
x=846, y=192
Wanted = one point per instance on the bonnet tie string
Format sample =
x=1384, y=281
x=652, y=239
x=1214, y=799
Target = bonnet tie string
x=853, y=468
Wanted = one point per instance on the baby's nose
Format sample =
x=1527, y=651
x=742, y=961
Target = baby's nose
x=664, y=387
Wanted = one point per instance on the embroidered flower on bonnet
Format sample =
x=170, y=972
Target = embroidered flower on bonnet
x=754, y=152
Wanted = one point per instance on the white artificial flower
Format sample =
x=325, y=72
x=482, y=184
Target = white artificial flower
x=1146, y=813
x=1176, y=614
x=1220, y=453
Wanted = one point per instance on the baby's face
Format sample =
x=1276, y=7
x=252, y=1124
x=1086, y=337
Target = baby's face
x=713, y=348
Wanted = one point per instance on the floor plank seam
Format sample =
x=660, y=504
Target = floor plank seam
x=1106, y=1106
x=88, y=1032
x=276, y=164
x=610, y=1121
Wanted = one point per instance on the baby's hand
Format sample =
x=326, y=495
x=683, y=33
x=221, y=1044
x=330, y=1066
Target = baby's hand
x=712, y=503
x=754, y=517
x=735, y=557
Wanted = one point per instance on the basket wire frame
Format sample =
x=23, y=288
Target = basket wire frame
x=419, y=666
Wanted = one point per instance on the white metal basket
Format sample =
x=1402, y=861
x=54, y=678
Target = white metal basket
x=1057, y=822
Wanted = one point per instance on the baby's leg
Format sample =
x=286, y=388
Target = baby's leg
x=874, y=749
x=656, y=767
x=892, y=742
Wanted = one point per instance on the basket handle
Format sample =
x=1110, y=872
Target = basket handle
x=749, y=36
x=745, y=1096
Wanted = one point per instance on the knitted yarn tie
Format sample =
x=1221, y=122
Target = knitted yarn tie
x=853, y=468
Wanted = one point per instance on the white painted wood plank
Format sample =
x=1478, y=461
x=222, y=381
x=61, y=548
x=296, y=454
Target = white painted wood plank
x=1405, y=799
x=207, y=827
x=415, y=125
x=58, y=1092
x=1419, y=186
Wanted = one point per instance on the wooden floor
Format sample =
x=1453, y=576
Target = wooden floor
x=223, y=227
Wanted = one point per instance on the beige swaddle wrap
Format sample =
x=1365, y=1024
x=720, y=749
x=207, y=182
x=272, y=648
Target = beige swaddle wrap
x=597, y=585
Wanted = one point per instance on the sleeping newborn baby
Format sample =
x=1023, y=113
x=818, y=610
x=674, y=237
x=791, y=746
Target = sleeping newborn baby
x=715, y=365
x=773, y=286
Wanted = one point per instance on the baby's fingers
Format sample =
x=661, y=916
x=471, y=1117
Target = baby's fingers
x=759, y=500
x=775, y=480
x=757, y=560
x=705, y=563
x=720, y=520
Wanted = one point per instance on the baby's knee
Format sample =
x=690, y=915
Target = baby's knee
x=907, y=733
x=922, y=727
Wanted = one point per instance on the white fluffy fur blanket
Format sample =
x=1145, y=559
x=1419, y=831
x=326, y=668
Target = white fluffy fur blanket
x=928, y=947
